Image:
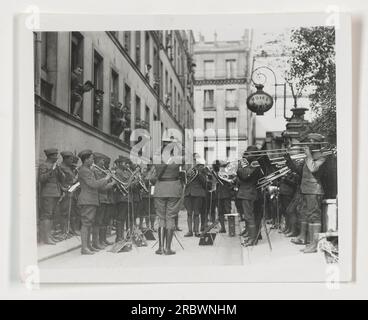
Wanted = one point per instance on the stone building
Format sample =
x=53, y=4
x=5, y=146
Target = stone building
x=138, y=77
x=220, y=92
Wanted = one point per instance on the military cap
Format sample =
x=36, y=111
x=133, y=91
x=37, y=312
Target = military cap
x=98, y=155
x=108, y=159
x=84, y=153
x=315, y=136
x=121, y=159
x=75, y=159
x=51, y=151
x=66, y=154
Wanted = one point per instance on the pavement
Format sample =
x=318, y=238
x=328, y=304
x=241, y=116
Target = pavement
x=284, y=262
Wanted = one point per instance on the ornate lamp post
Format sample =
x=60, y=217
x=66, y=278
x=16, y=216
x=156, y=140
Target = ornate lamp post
x=261, y=102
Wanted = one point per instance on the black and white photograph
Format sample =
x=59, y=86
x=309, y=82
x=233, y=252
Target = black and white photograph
x=195, y=149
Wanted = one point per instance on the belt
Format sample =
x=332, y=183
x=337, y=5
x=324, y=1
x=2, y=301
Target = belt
x=168, y=179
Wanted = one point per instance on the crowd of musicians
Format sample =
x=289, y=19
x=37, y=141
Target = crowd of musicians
x=99, y=195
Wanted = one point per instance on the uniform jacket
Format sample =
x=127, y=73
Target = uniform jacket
x=103, y=191
x=134, y=191
x=289, y=183
x=224, y=191
x=69, y=175
x=49, y=180
x=248, y=177
x=311, y=181
x=168, y=184
x=197, y=188
x=89, y=187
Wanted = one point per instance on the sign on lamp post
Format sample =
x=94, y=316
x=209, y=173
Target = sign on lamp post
x=259, y=101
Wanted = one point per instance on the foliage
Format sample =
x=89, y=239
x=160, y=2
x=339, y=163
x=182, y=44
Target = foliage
x=312, y=66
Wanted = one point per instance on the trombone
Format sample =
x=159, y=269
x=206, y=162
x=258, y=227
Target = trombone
x=121, y=185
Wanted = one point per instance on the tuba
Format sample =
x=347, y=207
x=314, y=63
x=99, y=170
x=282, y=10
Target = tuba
x=192, y=174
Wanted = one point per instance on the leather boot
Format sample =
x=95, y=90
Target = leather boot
x=89, y=241
x=252, y=230
x=119, y=231
x=190, y=226
x=302, y=238
x=314, y=230
x=196, y=226
x=74, y=227
x=153, y=223
x=103, y=237
x=96, y=238
x=84, y=238
x=169, y=237
x=161, y=240
x=46, y=232
x=222, y=222
x=293, y=227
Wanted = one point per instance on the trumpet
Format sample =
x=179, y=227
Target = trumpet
x=121, y=185
x=136, y=175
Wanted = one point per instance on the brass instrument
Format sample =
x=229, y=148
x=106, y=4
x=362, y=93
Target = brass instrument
x=191, y=175
x=121, y=185
x=136, y=176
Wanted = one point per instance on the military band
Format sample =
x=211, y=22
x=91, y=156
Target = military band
x=95, y=198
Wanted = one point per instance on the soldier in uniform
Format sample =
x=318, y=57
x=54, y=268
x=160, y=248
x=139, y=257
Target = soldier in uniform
x=312, y=194
x=248, y=176
x=49, y=177
x=110, y=210
x=288, y=185
x=195, y=197
x=224, y=196
x=88, y=200
x=167, y=198
x=68, y=203
x=101, y=212
x=123, y=202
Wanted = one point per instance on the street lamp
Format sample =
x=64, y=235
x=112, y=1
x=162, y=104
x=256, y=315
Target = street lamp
x=260, y=101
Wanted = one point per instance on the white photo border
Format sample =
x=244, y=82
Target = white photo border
x=25, y=187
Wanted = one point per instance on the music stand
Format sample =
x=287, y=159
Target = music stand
x=150, y=234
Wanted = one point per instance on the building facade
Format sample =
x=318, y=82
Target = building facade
x=220, y=92
x=137, y=78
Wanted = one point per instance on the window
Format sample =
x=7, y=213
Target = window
x=230, y=98
x=209, y=123
x=127, y=97
x=147, y=118
x=230, y=126
x=209, y=155
x=138, y=48
x=174, y=104
x=147, y=49
x=208, y=99
x=166, y=82
x=114, y=88
x=98, y=90
x=155, y=65
x=76, y=71
x=115, y=110
x=127, y=41
x=77, y=50
x=137, y=109
x=48, y=65
x=231, y=153
x=209, y=69
x=230, y=68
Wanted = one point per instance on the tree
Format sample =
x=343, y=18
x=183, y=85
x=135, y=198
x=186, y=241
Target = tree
x=313, y=67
